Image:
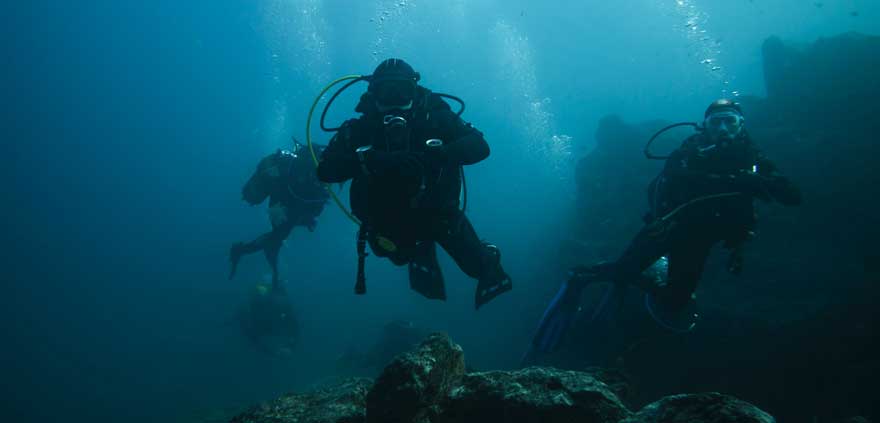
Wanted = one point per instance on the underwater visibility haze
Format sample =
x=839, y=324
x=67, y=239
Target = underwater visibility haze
x=130, y=129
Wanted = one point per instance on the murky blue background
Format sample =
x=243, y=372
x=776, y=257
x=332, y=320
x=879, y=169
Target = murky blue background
x=129, y=127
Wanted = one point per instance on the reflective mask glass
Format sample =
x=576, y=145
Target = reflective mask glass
x=724, y=124
x=394, y=93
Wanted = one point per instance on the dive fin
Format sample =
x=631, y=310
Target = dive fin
x=495, y=282
x=425, y=276
x=488, y=290
x=556, y=321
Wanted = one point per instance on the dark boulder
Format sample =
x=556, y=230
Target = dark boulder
x=535, y=394
x=700, y=408
x=343, y=403
x=414, y=383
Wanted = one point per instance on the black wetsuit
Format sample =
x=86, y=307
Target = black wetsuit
x=408, y=198
x=296, y=189
x=705, y=195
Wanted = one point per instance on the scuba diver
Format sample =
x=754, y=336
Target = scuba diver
x=704, y=195
x=296, y=198
x=404, y=155
x=268, y=321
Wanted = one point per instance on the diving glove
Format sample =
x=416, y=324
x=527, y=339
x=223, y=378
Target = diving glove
x=407, y=164
x=749, y=183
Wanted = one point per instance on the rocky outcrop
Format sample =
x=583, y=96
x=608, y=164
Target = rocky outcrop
x=535, y=394
x=700, y=408
x=343, y=403
x=416, y=382
x=429, y=385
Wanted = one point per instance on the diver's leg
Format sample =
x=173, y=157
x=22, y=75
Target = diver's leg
x=644, y=250
x=460, y=240
x=241, y=249
x=477, y=259
x=272, y=247
x=686, y=263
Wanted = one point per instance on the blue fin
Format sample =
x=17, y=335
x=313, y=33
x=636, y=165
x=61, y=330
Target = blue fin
x=556, y=321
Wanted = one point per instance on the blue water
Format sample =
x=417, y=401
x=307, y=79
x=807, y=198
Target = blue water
x=129, y=127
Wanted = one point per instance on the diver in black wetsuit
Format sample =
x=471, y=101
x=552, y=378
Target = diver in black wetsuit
x=404, y=156
x=296, y=198
x=705, y=195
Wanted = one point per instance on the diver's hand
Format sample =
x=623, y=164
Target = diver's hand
x=405, y=163
x=278, y=215
x=749, y=182
x=436, y=157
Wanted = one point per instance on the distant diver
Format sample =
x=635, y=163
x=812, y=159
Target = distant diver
x=404, y=155
x=704, y=195
x=268, y=321
x=296, y=198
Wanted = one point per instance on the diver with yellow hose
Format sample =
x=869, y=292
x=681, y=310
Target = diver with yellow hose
x=404, y=156
x=704, y=195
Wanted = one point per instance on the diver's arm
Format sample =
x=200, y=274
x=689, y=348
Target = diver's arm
x=677, y=166
x=339, y=161
x=777, y=186
x=465, y=144
x=468, y=149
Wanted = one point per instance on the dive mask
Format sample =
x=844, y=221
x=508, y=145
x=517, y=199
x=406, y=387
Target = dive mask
x=394, y=94
x=724, y=125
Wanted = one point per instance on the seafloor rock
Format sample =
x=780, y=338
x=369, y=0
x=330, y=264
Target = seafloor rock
x=535, y=394
x=415, y=382
x=343, y=403
x=616, y=380
x=700, y=408
x=429, y=385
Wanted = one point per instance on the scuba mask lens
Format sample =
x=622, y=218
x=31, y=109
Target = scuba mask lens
x=725, y=124
x=394, y=94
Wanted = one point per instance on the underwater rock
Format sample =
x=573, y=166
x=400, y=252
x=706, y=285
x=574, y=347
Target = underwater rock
x=700, y=408
x=823, y=85
x=416, y=382
x=429, y=385
x=534, y=394
x=343, y=403
x=616, y=380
